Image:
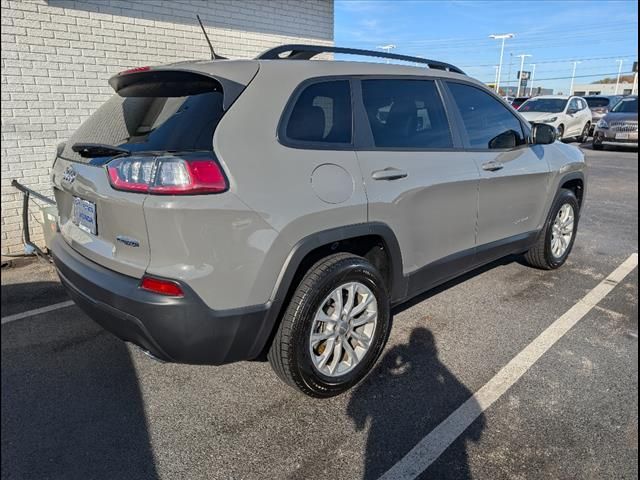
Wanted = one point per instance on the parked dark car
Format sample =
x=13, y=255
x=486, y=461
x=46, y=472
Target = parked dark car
x=518, y=101
x=619, y=126
x=600, y=105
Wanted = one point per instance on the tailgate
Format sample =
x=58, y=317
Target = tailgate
x=118, y=239
x=155, y=111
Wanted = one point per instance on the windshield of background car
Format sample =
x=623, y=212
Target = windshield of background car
x=548, y=105
x=626, y=105
x=595, y=102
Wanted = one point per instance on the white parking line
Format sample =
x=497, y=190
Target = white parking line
x=433, y=445
x=36, y=311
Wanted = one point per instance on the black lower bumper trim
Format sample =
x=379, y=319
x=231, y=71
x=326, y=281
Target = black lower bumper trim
x=181, y=330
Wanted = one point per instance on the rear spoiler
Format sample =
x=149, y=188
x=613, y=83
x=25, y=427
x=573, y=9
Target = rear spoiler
x=177, y=82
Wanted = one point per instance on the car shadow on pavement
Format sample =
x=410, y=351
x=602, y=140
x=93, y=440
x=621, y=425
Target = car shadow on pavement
x=410, y=393
x=71, y=403
x=458, y=280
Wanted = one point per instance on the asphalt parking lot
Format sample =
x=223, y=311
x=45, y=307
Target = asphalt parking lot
x=77, y=403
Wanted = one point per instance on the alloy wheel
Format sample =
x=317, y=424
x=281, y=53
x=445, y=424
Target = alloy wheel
x=562, y=230
x=343, y=329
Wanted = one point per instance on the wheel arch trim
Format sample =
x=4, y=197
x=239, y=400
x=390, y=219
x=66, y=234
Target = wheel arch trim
x=326, y=237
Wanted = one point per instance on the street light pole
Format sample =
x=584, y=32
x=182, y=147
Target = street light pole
x=573, y=76
x=509, y=74
x=619, y=73
x=502, y=37
x=387, y=48
x=533, y=75
x=522, y=57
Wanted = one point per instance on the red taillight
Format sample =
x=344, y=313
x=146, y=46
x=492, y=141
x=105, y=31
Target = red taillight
x=163, y=287
x=135, y=70
x=167, y=175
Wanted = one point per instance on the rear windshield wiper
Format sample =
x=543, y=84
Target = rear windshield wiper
x=91, y=150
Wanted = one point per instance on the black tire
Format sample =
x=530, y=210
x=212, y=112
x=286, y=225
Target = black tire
x=289, y=353
x=560, y=132
x=597, y=145
x=584, y=136
x=540, y=255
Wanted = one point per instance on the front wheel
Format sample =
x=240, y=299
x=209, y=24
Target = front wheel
x=596, y=143
x=334, y=328
x=560, y=132
x=556, y=239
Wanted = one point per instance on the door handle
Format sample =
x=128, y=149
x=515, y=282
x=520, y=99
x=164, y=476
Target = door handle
x=388, y=173
x=492, y=166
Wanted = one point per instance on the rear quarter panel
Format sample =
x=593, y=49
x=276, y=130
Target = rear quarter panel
x=275, y=181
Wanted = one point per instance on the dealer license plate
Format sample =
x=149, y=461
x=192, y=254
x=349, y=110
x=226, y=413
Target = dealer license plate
x=84, y=215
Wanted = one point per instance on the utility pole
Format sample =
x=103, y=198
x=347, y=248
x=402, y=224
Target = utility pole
x=573, y=76
x=503, y=37
x=495, y=82
x=522, y=57
x=387, y=48
x=533, y=76
x=509, y=74
x=619, y=73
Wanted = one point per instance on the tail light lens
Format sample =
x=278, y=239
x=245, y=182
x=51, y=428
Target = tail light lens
x=168, y=175
x=163, y=287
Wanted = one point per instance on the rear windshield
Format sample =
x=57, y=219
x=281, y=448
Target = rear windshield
x=595, y=102
x=139, y=124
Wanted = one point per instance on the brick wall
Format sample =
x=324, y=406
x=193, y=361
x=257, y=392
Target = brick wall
x=58, y=54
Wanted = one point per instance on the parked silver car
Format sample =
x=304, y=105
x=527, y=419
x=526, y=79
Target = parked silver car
x=569, y=114
x=216, y=211
x=619, y=126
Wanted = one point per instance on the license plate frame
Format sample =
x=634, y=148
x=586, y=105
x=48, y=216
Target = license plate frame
x=623, y=136
x=84, y=215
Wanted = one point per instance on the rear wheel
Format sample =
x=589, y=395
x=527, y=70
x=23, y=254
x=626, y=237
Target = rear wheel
x=334, y=328
x=584, y=136
x=556, y=240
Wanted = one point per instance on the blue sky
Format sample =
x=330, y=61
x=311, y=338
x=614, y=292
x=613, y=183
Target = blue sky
x=457, y=31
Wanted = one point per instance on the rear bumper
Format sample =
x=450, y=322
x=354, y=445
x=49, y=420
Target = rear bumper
x=183, y=330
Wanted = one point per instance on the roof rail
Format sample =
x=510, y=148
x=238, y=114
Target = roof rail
x=306, y=52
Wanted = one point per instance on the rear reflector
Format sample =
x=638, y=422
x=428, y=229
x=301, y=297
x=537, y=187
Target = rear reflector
x=163, y=287
x=168, y=175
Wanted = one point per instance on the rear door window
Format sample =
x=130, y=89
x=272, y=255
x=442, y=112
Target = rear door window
x=406, y=114
x=179, y=123
x=321, y=115
x=488, y=123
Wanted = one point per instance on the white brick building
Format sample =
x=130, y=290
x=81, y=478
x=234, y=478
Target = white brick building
x=603, y=89
x=58, y=54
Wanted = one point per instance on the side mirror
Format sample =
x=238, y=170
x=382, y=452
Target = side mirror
x=543, y=134
x=571, y=111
